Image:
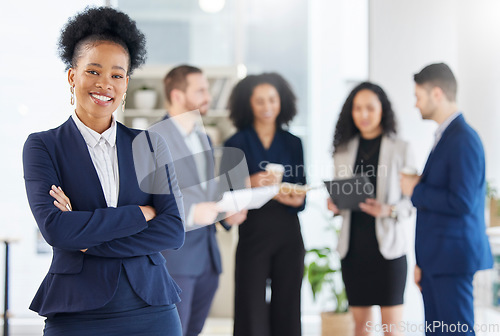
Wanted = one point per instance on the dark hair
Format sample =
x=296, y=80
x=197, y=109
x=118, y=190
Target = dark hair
x=241, y=112
x=345, y=129
x=98, y=24
x=439, y=75
x=177, y=79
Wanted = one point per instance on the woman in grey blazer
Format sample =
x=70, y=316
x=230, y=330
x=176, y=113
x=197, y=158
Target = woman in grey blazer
x=372, y=242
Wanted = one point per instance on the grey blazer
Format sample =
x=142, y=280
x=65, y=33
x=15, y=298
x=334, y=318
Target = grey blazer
x=200, y=246
x=391, y=233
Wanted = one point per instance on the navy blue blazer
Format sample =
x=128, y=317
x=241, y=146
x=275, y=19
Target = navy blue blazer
x=116, y=238
x=200, y=248
x=450, y=232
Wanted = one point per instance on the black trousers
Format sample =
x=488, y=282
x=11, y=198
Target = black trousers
x=270, y=249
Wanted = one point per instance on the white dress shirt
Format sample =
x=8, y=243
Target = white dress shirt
x=102, y=150
x=195, y=146
x=440, y=130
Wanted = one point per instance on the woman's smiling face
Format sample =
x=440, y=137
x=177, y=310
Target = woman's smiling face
x=100, y=79
x=367, y=113
x=266, y=104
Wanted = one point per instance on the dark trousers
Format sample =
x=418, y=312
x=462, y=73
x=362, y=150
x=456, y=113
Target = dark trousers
x=283, y=265
x=126, y=314
x=448, y=304
x=196, y=299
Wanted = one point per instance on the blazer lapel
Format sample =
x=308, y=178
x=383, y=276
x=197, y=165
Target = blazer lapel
x=126, y=164
x=185, y=165
x=344, y=160
x=83, y=173
x=384, y=162
x=441, y=144
x=426, y=167
x=208, y=151
x=178, y=147
x=352, y=151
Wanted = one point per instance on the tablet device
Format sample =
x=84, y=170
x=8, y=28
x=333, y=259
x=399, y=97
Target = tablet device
x=348, y=193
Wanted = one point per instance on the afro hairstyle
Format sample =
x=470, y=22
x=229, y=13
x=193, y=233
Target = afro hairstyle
x=96, y=24
x=240, y=109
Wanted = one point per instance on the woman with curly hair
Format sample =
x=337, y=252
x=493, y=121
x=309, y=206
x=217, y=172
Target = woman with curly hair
x=372, y=241
x=107, y=276
x=270, y=247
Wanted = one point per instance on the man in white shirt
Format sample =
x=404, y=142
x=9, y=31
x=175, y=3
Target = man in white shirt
x=197, y=265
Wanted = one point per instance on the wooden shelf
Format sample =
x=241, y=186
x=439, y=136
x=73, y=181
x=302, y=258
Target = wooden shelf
x=142, y=113
x=217, y=123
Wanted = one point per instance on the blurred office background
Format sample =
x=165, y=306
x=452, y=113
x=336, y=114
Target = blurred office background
x=323, y=47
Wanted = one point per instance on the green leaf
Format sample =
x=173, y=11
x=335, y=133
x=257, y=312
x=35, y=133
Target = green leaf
x=319, y=272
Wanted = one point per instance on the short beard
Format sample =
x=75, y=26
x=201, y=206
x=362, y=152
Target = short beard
x=431, y=113
x=191, y=107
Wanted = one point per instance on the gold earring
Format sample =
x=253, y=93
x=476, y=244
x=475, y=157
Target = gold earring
x=72, y=90
x=123, y=102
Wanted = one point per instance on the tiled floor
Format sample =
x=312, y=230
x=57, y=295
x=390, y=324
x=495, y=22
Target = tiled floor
x=213, y=326
x=223, y=326
x=487, y=318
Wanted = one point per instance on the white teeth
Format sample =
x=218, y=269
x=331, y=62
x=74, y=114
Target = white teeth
x=102, y=98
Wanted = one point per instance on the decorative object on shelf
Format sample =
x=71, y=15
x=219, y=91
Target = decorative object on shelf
x=324, y=275
x=145, y=98
x=221, y=79
x=140, y=123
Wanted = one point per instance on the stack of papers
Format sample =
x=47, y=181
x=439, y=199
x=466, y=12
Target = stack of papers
x=251, y=198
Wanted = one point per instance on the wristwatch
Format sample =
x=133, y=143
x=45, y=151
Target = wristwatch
x=394, y=213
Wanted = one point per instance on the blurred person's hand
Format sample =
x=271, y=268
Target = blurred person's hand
x=148, y=211
x=418, y=277
x=62, y=201
x=205, y=213
x=332, y=207
x=290, y=199
x=236, y=218
x=263, y=178
x=408, y=184
x=375, y=208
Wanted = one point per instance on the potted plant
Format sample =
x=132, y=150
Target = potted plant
x=145, y=98
x=494, y=204
x=323, y=273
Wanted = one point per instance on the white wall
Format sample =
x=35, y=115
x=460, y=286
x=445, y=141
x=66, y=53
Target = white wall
x=407, y=35
x=404, y=37
x=338, y=57
x=478, y=30
x=34, y=96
